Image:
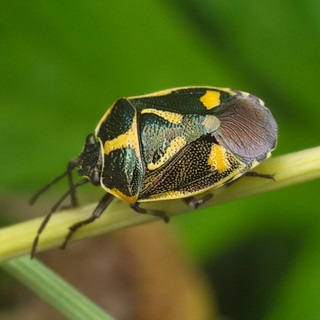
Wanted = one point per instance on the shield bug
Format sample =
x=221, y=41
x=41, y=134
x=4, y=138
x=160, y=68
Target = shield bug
x=171, y=144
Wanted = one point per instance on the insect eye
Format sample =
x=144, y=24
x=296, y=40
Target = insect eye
x=90, y=139
x=95, y=179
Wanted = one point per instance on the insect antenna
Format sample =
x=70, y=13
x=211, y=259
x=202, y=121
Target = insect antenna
x=54, y=209
x=72, y=164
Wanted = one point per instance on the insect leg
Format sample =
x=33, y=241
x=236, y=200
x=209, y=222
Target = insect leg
x=194, y=203
x=260, y=175
x=72, y=164
x=158, y=213
x=48, y=216
x=102, y=205
x=73, y=198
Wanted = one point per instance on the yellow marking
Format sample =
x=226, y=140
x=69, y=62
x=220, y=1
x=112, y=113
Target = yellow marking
x=127, y=139
x=217, y=159
x=228, y=90
x=245, y=94
x=211, y=123
x=175, y=145
x=117, y=193
x=155, y=94
x=169, y=91
x=162, y=92
x=210, y=99
x=168, y=116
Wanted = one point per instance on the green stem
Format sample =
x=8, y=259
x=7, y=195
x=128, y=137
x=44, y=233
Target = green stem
x=288, y=170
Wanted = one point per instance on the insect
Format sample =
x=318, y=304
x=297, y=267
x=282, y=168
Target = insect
x=172, y=144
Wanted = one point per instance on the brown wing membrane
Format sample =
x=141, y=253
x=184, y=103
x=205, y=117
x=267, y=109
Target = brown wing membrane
x=247, y=128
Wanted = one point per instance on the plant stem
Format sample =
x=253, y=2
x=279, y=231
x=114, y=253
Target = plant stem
x=289, y=169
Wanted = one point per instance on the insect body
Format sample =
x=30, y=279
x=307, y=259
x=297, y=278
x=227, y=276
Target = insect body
x=173, y=144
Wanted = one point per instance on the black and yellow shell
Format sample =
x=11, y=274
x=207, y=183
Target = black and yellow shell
x=177, y=143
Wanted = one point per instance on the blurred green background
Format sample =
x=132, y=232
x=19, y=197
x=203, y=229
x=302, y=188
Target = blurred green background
x=63, y=63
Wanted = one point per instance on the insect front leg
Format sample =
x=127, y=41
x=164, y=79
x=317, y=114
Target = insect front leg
x=97, y=212
x=73, y=197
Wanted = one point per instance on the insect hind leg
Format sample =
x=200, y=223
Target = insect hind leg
x=194, y=203
x=260, y=175
x=159, y=213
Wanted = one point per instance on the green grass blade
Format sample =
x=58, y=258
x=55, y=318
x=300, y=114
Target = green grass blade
x=54, y=289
